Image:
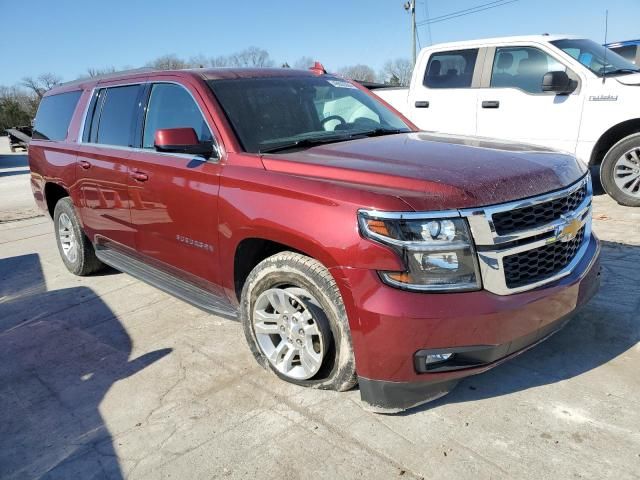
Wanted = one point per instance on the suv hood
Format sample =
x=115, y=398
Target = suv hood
x=434, y=171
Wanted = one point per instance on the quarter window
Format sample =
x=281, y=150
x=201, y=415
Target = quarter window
x=117, y=119
x=523, y=68
x=171, y=106
x=54, y=116
x=451, y=69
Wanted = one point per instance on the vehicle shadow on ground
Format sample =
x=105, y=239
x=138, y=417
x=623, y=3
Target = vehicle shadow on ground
x=18, y=162
x=608, y=326
x=60, y=352
x=14, y=161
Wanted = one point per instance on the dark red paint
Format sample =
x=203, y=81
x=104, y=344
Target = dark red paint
x=146, y=201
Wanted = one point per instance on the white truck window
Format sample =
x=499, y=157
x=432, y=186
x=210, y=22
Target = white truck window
x=452, y=69
x=523, y=68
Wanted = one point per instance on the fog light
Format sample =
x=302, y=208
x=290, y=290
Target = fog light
x=437, y=358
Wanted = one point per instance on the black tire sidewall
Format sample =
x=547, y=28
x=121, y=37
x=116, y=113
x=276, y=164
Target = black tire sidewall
x=65, y=205
x=338, y=369
x=608, y=166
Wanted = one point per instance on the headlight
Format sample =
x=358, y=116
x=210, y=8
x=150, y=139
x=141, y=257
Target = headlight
x=438, y=253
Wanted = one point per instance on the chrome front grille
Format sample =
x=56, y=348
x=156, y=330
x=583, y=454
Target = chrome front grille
x=540, y=263
x=526, y=244
x=539, y=214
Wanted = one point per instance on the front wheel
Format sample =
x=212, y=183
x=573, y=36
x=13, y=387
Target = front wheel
x=295, y=322
x=620, y=171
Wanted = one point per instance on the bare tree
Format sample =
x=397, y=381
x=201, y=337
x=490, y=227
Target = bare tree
x=168, y=62
x=42, y=84
x=251, y=57
x=96, y=72
x=363, y=73
x=17, y=107
x=303, y=63
x=199, y=61
x=220, y=61
x=397, y=72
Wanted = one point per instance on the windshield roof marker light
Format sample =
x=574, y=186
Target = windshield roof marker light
x=318, y=68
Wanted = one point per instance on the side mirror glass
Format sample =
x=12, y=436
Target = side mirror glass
x=557, y=82
x=182, y=140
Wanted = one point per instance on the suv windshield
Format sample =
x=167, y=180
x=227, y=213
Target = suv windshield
x=272, y=114
x=600, y=60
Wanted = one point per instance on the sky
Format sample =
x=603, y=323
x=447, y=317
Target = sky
x=72, y=36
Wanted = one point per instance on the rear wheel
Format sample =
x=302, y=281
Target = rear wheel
x=75, y=248
x=620, y=171
x=295, y=322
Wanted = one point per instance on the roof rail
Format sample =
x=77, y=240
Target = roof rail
x=107, y=76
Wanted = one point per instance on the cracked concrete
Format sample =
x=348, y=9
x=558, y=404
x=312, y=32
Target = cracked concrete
x=106, y=377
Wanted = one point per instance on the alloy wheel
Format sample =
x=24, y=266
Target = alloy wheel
x=67, y=238
x=290, y=330
x=626, y=173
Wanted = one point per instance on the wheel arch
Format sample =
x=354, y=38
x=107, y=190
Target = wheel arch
x=53, y=192
x=253, y=249
x=612, y=136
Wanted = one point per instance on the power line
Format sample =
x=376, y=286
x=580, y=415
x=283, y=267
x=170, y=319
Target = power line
x=468, y=11
x=426, y=7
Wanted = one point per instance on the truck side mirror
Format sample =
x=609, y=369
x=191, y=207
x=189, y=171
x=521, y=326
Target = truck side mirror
x=557, y=82
x=182, y=140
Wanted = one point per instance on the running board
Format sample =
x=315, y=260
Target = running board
x=166, y=282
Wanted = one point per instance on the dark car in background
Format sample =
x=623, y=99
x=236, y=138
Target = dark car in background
x=629, y=50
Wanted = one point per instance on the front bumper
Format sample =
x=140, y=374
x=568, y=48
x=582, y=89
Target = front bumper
x=389, y=327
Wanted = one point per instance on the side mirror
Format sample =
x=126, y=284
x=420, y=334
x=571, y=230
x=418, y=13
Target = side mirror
x=182, y=140
x=557, y=82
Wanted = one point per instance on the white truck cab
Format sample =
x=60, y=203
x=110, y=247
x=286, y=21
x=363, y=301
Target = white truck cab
x=559, y=91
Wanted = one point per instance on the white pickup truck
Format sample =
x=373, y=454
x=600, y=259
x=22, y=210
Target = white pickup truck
x=567, y=93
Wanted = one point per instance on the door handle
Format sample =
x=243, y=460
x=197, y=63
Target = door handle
x=422, y=104
x=491, y=104
x=84, y=164
x=140, y=176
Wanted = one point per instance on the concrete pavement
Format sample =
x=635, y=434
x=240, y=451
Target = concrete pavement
x=15, y=193
x=106, y=377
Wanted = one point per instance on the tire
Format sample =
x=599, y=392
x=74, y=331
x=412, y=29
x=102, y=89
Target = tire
x=307, y=285
x=75, y=249
x=620, y=165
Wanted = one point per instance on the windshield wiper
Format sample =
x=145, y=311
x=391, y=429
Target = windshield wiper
x=304, y=143
x=311, y=142
x=377, y=132
x=621, y=70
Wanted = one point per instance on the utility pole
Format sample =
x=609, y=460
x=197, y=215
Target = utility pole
x=410, y=7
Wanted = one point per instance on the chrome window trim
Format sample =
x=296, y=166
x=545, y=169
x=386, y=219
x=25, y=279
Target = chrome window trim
x=155, y=152
x=97, y=87
x=490, y=260
x=216, y=143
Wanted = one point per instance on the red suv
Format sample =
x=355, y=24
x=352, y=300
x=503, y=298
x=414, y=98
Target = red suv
x=352, y=247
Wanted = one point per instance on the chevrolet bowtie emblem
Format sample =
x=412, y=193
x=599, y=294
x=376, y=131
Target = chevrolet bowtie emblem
x=568, y=231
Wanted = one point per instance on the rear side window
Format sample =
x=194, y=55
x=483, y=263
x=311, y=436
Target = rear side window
x=452, y=69
x=171, y=106
x=118, y=115
x=54, y=116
